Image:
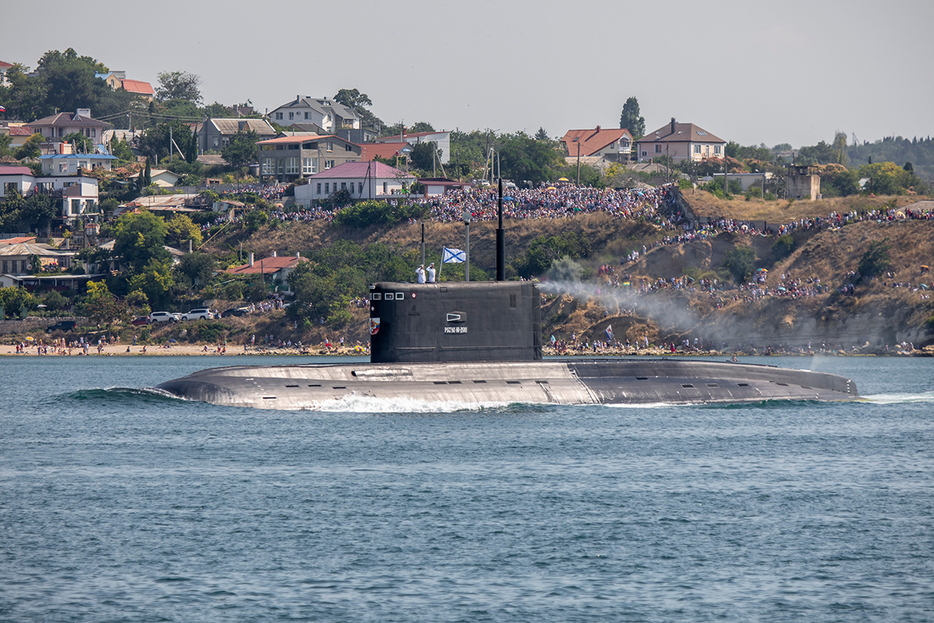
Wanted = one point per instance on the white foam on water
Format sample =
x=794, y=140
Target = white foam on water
x=354, y=403
x=888, y=399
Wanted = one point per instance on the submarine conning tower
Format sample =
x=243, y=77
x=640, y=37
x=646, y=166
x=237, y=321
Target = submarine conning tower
x=455, y=321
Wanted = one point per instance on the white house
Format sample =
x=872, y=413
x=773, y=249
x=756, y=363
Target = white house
x=363, y=180
x=78, y=194
x=331, y=116
x=680, y=141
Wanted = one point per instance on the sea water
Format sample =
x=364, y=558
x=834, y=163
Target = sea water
x=120, y=505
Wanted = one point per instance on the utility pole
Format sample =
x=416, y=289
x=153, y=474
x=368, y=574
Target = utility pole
x=467, y=245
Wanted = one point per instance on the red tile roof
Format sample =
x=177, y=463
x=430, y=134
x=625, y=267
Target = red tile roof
x=383, y=150
x=592, y=141
x=21, y=130
x=5, y=65
x=137, y=86
x=19, y=240
x=267, y=266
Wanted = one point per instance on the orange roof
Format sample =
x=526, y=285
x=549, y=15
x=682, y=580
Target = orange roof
x=592, y=141
x=267, y=266
x=383, y=150
x=137, y=86
x=19, y=240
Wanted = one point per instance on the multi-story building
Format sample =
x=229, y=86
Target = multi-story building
x=287, y=158
x=331, y=116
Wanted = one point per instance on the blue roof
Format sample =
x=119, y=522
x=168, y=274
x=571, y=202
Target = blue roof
x=75, y=156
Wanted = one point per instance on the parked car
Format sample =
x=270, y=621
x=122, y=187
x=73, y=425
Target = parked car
x=163, y=316
x=201, y=313
x=62, y=325
x=235, y=311
x=141, y=320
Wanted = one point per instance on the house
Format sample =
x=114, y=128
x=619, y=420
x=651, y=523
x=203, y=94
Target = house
x=16, y=259
x=57, y=126
x=442, y=141
x=163, y=178
x=139, y=88
x=680, y=141
x=274, y=268
x=66, y=163
x=331, y=116
x=18, y=134
x=78, y=194
x=612, y=144
x=362, y=180
x=112, y=78
x=287, y=158
x=215, y=134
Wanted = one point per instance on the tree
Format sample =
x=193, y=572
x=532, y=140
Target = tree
x=30, y=149
x=140, y=239
x=102, y=307
x=423, y=155
x=839, y=148
x=352, y=98
x=13, y=300
x=155, y=281
x=359, y=103
x=542, y=135
x=179, y=85
x=421, y=126
x=631, y=119
x=181, y=229
x=82, y=143
x=741, y=262
x=197, y=267
x=875, y=260
x=242, y=149
x=525, y=159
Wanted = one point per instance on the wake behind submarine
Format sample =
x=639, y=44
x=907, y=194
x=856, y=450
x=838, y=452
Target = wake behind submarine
x=480, y=342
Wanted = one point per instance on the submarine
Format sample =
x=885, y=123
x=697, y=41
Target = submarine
x=481, y=342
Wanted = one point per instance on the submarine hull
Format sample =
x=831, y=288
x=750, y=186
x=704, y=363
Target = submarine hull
x=624, y=381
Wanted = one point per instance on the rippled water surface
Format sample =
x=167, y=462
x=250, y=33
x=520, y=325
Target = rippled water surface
x=120, y=505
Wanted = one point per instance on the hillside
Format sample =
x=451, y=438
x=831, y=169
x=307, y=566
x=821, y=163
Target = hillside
x=874, y=315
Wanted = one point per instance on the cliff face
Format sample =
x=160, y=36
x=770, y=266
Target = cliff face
x=813, y=295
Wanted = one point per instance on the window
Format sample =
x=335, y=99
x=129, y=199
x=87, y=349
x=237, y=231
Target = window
x=306, y=114
x=697, y=149
x=9, y=187
x=5, y=269
x=319, y=188
x=76, y=206
x=291, y=115
x=269, y=166
x=278, y=115
x=281, y=165
x=291, y=166
x=327, y=188
x=658, y=148
x=644, y=153
x=385, y=188
x=348, y=147
x=309, y=166
x=343, y=185
x=716, y=149
x=361, y=189
x=328, y=164
x=330, y=146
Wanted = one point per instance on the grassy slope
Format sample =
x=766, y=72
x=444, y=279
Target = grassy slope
x=875, y=313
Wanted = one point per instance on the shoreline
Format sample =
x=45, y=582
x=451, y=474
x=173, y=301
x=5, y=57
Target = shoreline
x=195, y=350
